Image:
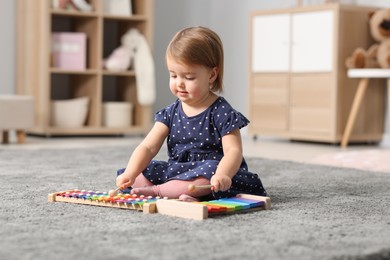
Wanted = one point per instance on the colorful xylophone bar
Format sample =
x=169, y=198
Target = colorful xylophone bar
x=202, y=210
x=231, y=204
x=96, y=198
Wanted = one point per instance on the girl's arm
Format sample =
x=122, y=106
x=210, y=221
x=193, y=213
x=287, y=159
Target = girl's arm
x=143, y=154
x=230, y=162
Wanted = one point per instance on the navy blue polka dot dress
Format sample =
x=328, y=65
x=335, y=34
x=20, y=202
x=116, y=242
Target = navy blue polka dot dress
x=195, y=147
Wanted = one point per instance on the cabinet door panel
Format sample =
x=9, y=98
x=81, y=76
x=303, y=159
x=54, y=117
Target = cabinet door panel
x=271, y=90
x=269, y=102
x=310, y=120
x=311, y=91
x=269, y=118
x=270, y=43
x=312, y=42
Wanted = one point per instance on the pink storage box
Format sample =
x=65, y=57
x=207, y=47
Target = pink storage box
x=69, y=50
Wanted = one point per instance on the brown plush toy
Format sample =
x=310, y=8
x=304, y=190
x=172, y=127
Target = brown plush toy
x=378, y=55
x=363, y=59
x=380, y=25
x=380, y=31
x=383, y=54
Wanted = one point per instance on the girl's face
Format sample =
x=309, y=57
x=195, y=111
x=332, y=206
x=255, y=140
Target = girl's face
x=190, y=83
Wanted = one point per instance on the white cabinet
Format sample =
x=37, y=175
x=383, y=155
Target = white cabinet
x=299, y=87
x=312, y=41
x=298, y=42
x=271, y=43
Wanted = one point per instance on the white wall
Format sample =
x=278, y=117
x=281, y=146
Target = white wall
x=229, y=18
x=7, y=47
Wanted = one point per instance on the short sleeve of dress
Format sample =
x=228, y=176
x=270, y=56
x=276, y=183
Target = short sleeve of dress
x=233, y=121
x=163, y=116
x=228, y=119
x=166, y=114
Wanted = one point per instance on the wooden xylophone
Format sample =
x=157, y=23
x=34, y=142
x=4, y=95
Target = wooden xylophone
x=97, y=198
x=202, y=210
x=191, y=210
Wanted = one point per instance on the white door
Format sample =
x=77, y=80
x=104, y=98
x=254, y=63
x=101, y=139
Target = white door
x=312, y=42
x=270, y=43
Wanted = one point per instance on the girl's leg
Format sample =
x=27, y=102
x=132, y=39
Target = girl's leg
x=142, y=186
x=175, y=188
x=141, y=181
x=171, y=189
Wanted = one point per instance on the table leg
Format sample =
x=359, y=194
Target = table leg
x=354, y=110
x=5, y=137
x=21, y=135
x=388, y=107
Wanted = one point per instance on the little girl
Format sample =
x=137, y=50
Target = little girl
x=201, y=128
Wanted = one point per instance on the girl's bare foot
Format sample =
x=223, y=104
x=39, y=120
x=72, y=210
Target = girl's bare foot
x=146, y=191
x=187, y=198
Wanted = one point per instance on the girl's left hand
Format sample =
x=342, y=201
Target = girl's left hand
x=220, y=182
x=123, y=182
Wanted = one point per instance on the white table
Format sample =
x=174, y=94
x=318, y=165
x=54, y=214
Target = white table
x=364, y=75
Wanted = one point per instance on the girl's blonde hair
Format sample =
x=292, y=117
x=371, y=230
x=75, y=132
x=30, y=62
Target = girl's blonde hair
x=198, y=46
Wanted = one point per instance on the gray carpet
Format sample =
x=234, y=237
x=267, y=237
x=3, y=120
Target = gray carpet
x=318, y=213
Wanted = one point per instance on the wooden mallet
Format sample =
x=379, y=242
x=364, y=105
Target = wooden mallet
x=112, y=193
x=193, y=187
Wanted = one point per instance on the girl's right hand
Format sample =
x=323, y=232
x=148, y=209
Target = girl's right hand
x=220, y=182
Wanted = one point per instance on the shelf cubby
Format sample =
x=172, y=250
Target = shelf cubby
x=36, y=21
